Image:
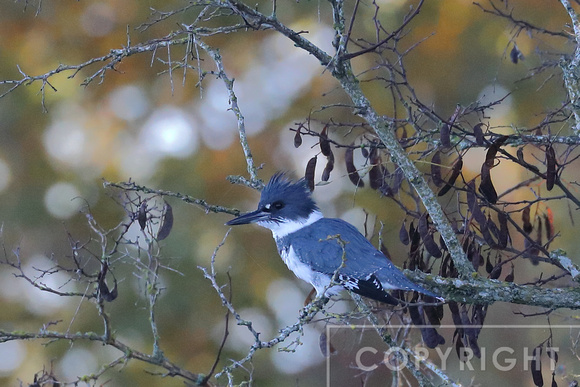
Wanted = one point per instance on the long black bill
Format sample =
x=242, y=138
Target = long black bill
x=250, y=217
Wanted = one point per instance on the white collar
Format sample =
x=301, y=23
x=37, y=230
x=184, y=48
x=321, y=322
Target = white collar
x=282, y=229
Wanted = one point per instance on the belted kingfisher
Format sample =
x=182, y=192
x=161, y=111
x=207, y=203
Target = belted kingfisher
x=315, y=247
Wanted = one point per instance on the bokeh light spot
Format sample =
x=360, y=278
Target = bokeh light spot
x=59, y=202
x=12, y=354
x=65, y=140
x=128, y=102
x=171, y=132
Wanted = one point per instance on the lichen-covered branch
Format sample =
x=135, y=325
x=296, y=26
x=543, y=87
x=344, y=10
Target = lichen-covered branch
x=131, y=186
x=233, y=99
x=342, y=71
x=478, y=290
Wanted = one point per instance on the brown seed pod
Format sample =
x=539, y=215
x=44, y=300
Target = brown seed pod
x=398, y=179
x=328, y=168
x=510, y=276
x=486, y=187
x=309, y=173
x=428, y=241
x=455, y=172
x=550, y=167
x=105, y=293
x=365, y=152
x=474, y=206
x=488, y=264
x=536, y=366
x=549, y=223
x=436, y=169
x=166, y=222
x=445, y=136
x=404, y=235
x=527, y=225
x=492, y=151
x=326, y=346
x=478, y=133
x=351, y=169
x=376, y=176
x=503, y=236
x=297, y=139
x=324, y=143
x=142, y=215
x=496, y=272
x=376, y=173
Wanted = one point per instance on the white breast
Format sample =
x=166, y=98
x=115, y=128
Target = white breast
x=320, y=281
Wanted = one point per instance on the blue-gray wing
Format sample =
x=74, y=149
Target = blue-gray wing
x=320, y=246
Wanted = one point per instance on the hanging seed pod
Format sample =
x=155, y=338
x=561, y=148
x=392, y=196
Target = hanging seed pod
x=539, y=231
x=142, y=215
x=415, y=238
x=490, y=224
x=376, y=173
x=166, y=223
x=520, y=155
x=326, y=346
x=398, y=178
x=536, y=367
x=427, y=237
x=475, y=258
x=454, y=309
x=510, y=276
x=486, y=187
x=297, y=139
x=455, y=172
x=549, y=223
x=474, y=206
x=445, y=136
x=552, y=352
x=488, y=264
x=527, y=225
x=351, y=169
x=550, y=167
x=309, y=173
x=478, y=133
x=324, y=143
x=496, y=272
x=436, y=169
x=105, y=293
x=503, y=236
x=328, y=168
x=404, y=235
x=364, y=151
x=492, y=151
x=376, y=176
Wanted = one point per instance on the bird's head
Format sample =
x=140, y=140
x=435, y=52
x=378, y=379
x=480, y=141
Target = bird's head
x=283, y=202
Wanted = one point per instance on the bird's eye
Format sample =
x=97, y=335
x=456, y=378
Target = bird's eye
x=278, y=205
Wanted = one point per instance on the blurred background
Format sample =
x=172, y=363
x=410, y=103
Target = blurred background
x=165, y=132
